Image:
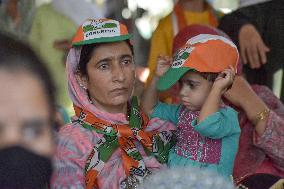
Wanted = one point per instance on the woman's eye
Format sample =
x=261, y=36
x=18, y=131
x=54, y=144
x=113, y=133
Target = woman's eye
x=126, y=61
x=103, y=66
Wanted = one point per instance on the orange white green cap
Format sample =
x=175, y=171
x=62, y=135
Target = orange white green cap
x=100, y=31
x=202, y=53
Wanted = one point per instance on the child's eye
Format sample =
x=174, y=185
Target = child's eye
x=190, y=85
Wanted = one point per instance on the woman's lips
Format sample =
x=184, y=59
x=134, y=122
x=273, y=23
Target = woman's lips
x=119, y=91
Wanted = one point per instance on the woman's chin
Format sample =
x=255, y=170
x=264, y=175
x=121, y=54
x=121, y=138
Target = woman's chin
x=119, y=100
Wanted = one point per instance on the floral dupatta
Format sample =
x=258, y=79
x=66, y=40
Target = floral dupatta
x=123, y=136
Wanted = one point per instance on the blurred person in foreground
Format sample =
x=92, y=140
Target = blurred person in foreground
x=261, y=118
x=27, y=108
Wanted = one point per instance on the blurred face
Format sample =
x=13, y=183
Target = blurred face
x=110, y=77
x=24, y=114
x=194, y=90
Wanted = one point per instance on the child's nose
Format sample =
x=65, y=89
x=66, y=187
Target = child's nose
x=183, y=91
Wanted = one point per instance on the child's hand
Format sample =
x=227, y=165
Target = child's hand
x=224, y=80
x=163, y=64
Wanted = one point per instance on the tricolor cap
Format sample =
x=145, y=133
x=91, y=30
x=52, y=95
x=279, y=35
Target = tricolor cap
x=100, y=31
x=202, y=53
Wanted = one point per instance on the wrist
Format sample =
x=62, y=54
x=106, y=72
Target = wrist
x=154, y=81
x=216, y=91
x=260, y=116
x=256, y=110
x=247, y=27
x=214, y=96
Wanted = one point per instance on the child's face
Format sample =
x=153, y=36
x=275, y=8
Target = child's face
x=194, y=90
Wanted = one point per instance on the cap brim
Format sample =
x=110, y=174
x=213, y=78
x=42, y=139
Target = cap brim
x=103, y=40
x=171, y=77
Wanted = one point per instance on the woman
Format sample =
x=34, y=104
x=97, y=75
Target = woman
x=27, y=106
x=110, y=143
x=261, y=118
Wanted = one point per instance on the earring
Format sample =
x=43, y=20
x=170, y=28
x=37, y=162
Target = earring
x=89, y=98
x=81, y=85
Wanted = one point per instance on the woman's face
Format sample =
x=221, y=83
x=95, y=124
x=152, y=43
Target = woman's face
x=24, y=113
x=110, y=76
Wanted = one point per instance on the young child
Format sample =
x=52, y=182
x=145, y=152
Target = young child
x=207, y=130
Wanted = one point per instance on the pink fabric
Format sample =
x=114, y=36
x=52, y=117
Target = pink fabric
x=75, y=142
x=265, y=154
x=190, y=148
x=267, y=166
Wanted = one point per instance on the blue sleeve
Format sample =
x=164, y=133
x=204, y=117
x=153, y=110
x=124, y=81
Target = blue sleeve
x=220, y=124
x=167, y=112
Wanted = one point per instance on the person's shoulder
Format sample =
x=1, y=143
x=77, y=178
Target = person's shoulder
x=68, y=129
x=74, y=129
x=73, y=135
x=67, y=133
x=70, y=133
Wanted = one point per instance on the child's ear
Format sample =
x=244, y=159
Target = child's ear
x=82, y=80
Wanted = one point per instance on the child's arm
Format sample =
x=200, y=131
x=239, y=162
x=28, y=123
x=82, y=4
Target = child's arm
x=150, y=96
x=212, y=103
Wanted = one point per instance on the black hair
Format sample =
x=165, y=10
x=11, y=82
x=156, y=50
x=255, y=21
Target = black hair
x=86, y=55
x=209, y=76
x=17, y=56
